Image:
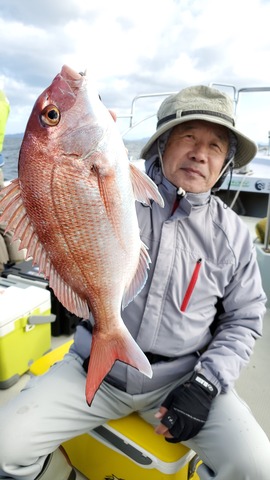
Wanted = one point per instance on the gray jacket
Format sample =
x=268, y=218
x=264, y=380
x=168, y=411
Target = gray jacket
x=200, y=254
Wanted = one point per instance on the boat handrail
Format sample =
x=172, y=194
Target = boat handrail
x=236, y=94
x=132, y=108
x=238, y=91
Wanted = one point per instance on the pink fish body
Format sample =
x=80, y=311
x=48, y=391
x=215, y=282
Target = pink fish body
x=73, y=208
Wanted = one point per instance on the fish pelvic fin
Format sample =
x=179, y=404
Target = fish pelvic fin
x=144, y=188
x=105, y=350
x=17, y=221
x=139, y=279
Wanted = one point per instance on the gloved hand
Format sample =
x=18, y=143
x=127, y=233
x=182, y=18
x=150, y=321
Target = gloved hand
x=188, y=408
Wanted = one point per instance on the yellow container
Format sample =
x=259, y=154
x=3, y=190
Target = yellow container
x=128, y=449
x=124, y=449
x=25, y=330
x=4, y=113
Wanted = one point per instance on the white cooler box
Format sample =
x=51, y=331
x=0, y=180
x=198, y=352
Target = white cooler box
x=25, y=330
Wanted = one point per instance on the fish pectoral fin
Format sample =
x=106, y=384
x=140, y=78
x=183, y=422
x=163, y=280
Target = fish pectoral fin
x=139, y=279
x=144, y=188
x=106, y=196
x=105, y=350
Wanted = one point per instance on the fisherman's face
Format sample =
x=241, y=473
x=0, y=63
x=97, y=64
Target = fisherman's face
x=195, y=154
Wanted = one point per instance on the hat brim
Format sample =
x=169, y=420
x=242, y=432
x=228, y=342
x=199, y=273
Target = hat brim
x=246, y=148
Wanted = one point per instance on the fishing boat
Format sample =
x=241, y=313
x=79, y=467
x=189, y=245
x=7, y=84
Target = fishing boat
x=248, y=193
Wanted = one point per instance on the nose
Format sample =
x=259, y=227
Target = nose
x=199, y=152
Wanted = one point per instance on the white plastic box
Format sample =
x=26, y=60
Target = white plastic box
x=25, y=330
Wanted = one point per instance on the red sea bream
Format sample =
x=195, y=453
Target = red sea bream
x=73, y=209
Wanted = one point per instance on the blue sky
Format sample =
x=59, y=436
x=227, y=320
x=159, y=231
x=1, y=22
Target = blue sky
x=131, y=48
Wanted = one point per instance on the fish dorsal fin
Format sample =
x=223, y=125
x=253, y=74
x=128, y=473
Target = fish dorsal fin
x=143, y=187
x=18, y=222
x=139, y=280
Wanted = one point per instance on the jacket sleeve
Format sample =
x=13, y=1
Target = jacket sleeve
x=237, y=327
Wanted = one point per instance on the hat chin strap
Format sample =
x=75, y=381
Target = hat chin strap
x=224, y=169
x=223, y=174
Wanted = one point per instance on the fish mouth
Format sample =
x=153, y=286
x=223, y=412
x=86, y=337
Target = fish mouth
x=69, y=74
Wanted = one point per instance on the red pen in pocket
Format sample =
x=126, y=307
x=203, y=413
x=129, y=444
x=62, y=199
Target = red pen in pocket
x=191, y=285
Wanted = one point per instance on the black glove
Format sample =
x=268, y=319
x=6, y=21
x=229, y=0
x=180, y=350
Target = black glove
x=188, y=408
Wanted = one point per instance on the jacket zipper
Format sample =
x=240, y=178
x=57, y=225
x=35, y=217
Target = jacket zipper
x=191, y=285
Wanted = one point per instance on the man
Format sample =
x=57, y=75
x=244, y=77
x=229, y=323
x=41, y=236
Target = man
x=203, y=260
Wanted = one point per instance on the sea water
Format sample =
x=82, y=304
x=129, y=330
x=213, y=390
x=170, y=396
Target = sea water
x=11, y=149
x=12, y=145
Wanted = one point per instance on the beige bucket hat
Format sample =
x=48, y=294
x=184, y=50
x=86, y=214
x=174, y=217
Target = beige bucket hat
x=200, y=103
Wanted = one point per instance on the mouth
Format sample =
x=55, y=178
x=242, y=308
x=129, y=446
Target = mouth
x=193, y=172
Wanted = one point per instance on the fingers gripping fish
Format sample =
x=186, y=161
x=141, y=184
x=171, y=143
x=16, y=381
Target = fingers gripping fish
x=73, y=208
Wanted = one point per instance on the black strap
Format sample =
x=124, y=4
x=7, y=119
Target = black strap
x=87, y=325
x=155, y=358
x=86, y=364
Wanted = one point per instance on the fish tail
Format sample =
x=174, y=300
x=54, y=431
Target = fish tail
x=105, y=351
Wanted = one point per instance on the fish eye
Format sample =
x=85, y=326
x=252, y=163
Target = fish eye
x=50, y=115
